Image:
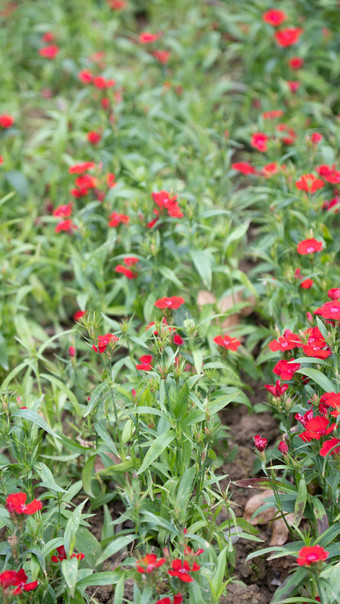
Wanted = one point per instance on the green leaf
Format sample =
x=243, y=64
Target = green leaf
x=70, y=571
x=86, y=475
x=214, y=406
x=156, y=449
x=88, y=545
x=105, y=578
x=289, y=586
x=115, y=546
x=96, y=395
x=320, y=515
x=72, y=528
x=34, y=417
x=318, y=377
x=202, y=264
x=3, y=353
x=300, y=502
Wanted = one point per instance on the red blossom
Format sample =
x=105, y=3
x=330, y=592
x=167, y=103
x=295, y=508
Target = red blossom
x=274, y=17
x=277, y=390
x=162, y=56
x=177, y=599
x=6, y=121
x=329, y=173
x=260, y=443
x=272, y=115
x=269, y=170
x=72, y=351
x=293, y=85
x=286, y=369
x=310, y=554
x=178, y=340
x=49, y=52
x=288, y=341
x=63, y=211
x=316, y=428
x=12, y=578
x=329, y=310
x=164, y=201
x=145, y=364
x=81, y=167
x=116, y=219
x=288, y=37
x=181, y=569
x=66, y=226
x=329, y=447
x=172, y=302
x=334, y=294
x=295, y=62
x=309, y=246
x=129, y=274
x=244, y=167
x=93, y=137
x=103, y=342
x=111, y=180
x=289, y=135
x=149, y=563
x=148, y=38
x=283, y=447
x=131, y=260
x=78, y=314
x=259, y=141
x=307, y=283
x=316, y=138
x=62, y=555
x=16, y=504
x=48, y=36
x=85, y=76
x=102, y=84
x=309, y=183
x=227, y=342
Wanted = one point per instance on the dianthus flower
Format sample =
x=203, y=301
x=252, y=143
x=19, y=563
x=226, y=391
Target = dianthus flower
x=101, y=83
x=18, y=579
x=277, y=390
x=66, y=226
x=330, y=447
x=288, y=37
x=164, y=201
x=272, y=115
x=244, y=167
x=329, y=173
x=78, y=315
x=81, y=167
x=129, y=274
x=62, y=555
x=116, y=4
x=93, y=137
x=63, y=211
x=181, y=569
x=309, y=246
x=316, y=138
x=270, y=169
x=16, y=504
x=178, y=340
x=332, y=203
x=48, y=36
x=162, y=56
x=145, y=364
x=286, y=369
x=130, y=261
x=295, y=62
x=227, y=342
x=149, y=563
x=289, y=135
x=311, y=554
x=259, y=141
x=49, y=52
x=334, y=294
x=85, y=76
x=117, y=219
x=288, y=341
x=148, y=38
x=316, y=428
x=6, y=121
x=111, y=180
x=103, y=342
x=172, y=302
x=303, y=419
x=329, y=310
x=283, y=447
x=177, y=599
x=260, y=443
x=293, y=85
x=309, y=183
x=307, y=283
x=274, y=17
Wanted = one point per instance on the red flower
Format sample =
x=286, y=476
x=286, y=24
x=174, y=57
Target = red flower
x=81, y=167
x=283, y=447
x=288, y=341
x=145, y=364
x=130, y=261
x=66, y=226
x=103, y=342
x=309, y=246
x=295, y=62
x=162, y=56
x=334, y=294
x=290, y=139
x=178, y=340
x=227, y=342
x=102, y=83
x=328, y=445
x=315, y=428
x=149, y=563
x=306, y=283
x=277, y=390
x=72, y=351
x=316, y=138
x=314, y=350
x=16, y=504
x=48, y=36
x=94, y=137
x=270, y=169
x=78, y=314
x=329, y=310
x=288, y=37
x=172, y=302
x=62, y=555
x=293, y=85
x=244, y=167
x=117, y=4
x=331, y=399
x=111, y=180
x=311, y=554
x=85, y=76
x=164, y=201
x=16, y=579
x=129, y=274
x=117, y=219
x=177, y=599
x=181, y=570
x=260, y=443
x=309, y=183
x=272, y=115
x=329, y=173
x=147, y=38
x=6, y=121
x=274, y=17
x=188, y=551
x=259, y=141
x=286, y=369
x=63, y=211
x=303, y=419
x=49, y=52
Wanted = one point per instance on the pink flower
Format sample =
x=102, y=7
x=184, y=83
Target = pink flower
x=49, y=52
x=259, y=141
